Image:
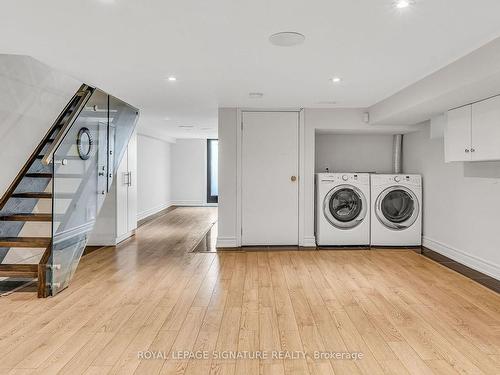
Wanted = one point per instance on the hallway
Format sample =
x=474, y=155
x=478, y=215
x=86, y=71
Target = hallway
x=404, y=312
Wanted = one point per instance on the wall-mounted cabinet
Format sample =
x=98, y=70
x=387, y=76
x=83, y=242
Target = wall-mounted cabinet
x=473, y=132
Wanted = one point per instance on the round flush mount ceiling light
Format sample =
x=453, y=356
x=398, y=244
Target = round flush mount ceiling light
x=287, y=38
x=172, y=79
x=402, y=4
x=336, y=79
x=255, y=95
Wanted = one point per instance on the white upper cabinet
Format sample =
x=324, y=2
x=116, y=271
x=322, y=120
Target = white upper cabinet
x=457, y=136
x=486, y=130
x=473, y=132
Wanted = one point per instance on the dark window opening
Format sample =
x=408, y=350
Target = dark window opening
x=212, y=171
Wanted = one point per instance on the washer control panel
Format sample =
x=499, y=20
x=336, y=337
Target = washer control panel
x=360, y=178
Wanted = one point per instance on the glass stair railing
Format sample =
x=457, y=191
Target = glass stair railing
x=54, y=201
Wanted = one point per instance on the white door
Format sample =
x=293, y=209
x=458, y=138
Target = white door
x=457, y=140
x=486, y=130
x=269, y=186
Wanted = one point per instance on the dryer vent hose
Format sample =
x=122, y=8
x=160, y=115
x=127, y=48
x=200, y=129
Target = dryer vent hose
x=397, y=154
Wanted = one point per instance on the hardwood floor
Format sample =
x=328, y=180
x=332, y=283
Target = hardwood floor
x=404, y=312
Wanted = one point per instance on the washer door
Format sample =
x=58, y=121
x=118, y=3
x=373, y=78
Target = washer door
x=397, y=207
x=345, y=206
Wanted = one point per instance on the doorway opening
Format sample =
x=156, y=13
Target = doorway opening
x=212, y=170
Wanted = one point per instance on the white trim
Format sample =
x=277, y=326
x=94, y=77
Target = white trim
x=152, y=211
x=108, y=239
x=302, y=184
x=123, y=237
x=226, y=242
x=309, y=241
x=462, y=257
x=188, y=203
x=239, y=141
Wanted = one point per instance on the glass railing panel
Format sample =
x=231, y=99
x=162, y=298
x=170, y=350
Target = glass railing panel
x=122, y=122
x=79, y=187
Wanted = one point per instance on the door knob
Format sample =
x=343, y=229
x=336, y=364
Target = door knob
x=293, y=178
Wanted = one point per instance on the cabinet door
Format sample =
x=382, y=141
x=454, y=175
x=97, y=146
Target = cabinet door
x=122, y=182
x=486, y=130
x=132, y=188
x=457, y=136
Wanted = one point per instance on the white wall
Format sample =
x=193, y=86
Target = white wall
x=154, y=181
x=32, y=95
x=353, y=152
x=189, y=172
x=461, y=217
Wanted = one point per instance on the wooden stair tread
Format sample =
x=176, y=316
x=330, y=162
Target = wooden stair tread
x=26, y=217
x=24, y=242
x=38, y=195
x=68, y=157
x=19, y=270
x=50, y=175
x=39, y=175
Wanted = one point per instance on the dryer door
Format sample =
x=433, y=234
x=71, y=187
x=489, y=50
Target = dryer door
x=345, y=206
x=397, y=207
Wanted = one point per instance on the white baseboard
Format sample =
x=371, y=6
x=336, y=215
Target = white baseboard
x=125, y=236
x=109, y=240
x=152, y=211
x=188, y=203
x=462, y=257
x=102, y=240
x=309, y=241
x=226, y=242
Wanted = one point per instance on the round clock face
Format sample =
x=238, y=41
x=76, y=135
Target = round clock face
x=84, y=143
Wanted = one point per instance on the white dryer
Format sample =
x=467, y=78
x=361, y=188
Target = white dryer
x=342, y=209
x=396, y=218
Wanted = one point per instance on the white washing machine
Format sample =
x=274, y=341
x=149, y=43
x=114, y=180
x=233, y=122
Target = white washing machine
x=342, y=209
x=396, y=214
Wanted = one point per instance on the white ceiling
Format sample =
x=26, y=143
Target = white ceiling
x=219, y=50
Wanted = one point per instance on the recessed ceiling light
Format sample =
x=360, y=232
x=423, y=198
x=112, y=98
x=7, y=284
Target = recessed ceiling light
x=256, y=95
x=401, y=4
x=287, y=38
x=336, y=79
x=172, y=79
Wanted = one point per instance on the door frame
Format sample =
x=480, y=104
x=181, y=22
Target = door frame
x=239, y=169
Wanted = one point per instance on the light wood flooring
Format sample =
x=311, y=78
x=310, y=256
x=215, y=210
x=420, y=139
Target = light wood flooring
x=404, y=312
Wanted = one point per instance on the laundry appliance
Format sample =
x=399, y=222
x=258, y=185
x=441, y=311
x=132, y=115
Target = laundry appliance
x=396, y=211
x=342, y=209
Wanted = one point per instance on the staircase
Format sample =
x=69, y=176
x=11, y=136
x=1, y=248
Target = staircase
x=39, y=190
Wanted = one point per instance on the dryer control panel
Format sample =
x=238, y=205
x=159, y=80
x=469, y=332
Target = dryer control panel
x=403, y=179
